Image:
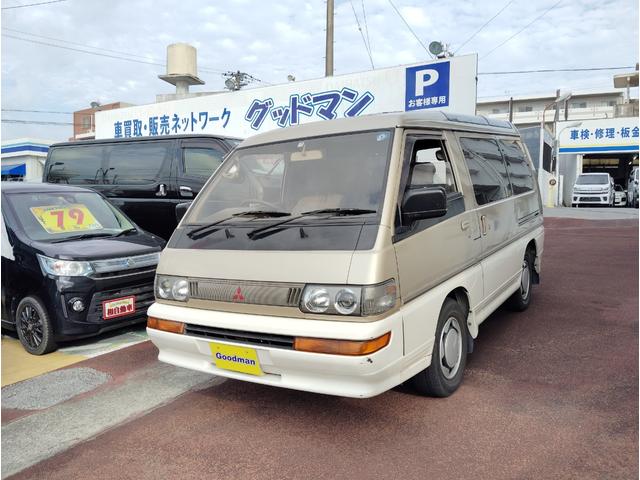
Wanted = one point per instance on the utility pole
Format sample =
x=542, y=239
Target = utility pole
x=328, y=65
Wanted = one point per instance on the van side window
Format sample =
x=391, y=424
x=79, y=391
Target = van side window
x=487, y=169
x=135, y=164
x=520, y=172
x=75, y=165
x=201, y=162
x=431, y=167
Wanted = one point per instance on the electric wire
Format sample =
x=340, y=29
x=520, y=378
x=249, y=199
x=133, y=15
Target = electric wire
x=75, y=43
x=36, y=111
x=366, y=27
x=483, y=26
x=33, y=4
x=98, y=53
x=410, y=29
x=522, y=29
x=366, y=47
x=553, y=70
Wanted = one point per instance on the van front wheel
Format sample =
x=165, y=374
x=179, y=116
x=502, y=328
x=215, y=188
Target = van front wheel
x=449, y=356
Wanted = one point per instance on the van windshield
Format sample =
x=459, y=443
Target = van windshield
x=602, y=179
x=46, y=216
x=346, y=171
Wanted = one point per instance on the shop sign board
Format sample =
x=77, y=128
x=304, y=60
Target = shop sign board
x=445, y=84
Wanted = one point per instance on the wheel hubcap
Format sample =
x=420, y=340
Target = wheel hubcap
x=31, y=326
x=525, y=280
x=450, y=347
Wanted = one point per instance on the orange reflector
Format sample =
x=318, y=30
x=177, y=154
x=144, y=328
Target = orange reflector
x=341, y=347
x=165, y=325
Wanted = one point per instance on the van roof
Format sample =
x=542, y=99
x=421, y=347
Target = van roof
x=415, y=119
x=141, y=139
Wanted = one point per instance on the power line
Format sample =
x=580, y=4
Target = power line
x=82, y=51
x=523, y=28
x=73, y=43
x=362, y=35
x=35, y=111
x=98, y=53
x=550, y=70
x=366, y=27
x=484, y=25
x=410, y=29
x=33, y=4
x=35, y=122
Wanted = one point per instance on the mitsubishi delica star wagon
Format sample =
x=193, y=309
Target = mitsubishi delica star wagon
x=349, y=256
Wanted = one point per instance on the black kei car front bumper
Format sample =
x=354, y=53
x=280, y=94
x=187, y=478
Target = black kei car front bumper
x=93, y=292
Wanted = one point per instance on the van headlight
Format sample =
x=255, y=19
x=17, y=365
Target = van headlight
x=172, y=288
x=349, y=299
x=64, y=268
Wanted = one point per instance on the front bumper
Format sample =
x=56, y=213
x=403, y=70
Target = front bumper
x=590, y=199
x=91, y=321
x=348, y=376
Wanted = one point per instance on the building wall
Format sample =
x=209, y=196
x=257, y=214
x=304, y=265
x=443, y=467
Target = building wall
x=28, y=151
x=527, y=111
x=84, y=121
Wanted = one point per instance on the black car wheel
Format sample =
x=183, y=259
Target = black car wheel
x=34, y=327
x=449, y=358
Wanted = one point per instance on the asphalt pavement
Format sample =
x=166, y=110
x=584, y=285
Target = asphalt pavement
x=548, y=393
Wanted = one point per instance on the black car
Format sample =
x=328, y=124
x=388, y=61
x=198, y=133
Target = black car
x=144, y=176
x=73, y=265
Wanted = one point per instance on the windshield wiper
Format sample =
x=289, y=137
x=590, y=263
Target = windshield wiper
x=82, y=237
x=340, y=212
x=125, y=232
x=208, y=229
x=273, y=228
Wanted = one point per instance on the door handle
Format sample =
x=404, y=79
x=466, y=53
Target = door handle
x=465, y=225
x=483, y=224
x=162, y=190
x=186, y=191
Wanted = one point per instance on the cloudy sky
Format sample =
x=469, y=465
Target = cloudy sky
x=270, y=39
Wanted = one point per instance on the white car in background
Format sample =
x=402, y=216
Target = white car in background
x=594, y=189
x=620, y=196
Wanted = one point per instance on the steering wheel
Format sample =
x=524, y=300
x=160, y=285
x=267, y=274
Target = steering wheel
x=261, y=202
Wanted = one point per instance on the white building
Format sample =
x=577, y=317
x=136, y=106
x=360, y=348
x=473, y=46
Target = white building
x=23, y=159
x=527, y=110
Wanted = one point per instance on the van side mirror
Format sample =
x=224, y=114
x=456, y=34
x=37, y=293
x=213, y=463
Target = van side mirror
x=423, y=202
x=181, y=209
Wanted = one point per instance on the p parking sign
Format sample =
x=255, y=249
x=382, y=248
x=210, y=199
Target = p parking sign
x=427, y=86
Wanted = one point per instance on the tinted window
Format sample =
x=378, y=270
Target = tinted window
x=76, y=165
x=487, y=169
x=135, y=163
x=126, y=163
x=201, y=162
x=518, y=167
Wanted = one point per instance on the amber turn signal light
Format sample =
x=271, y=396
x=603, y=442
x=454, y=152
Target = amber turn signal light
x=341, y=347
x=165, y=325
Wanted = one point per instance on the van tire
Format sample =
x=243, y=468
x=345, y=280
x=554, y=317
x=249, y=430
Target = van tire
x=433, y=381
x=32, y=318
x=521, y=299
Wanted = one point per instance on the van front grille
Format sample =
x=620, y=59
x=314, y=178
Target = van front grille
x=250, y=338
x=246, y=292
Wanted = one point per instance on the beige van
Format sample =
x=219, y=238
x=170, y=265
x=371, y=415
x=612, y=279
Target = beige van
x=349, y=256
